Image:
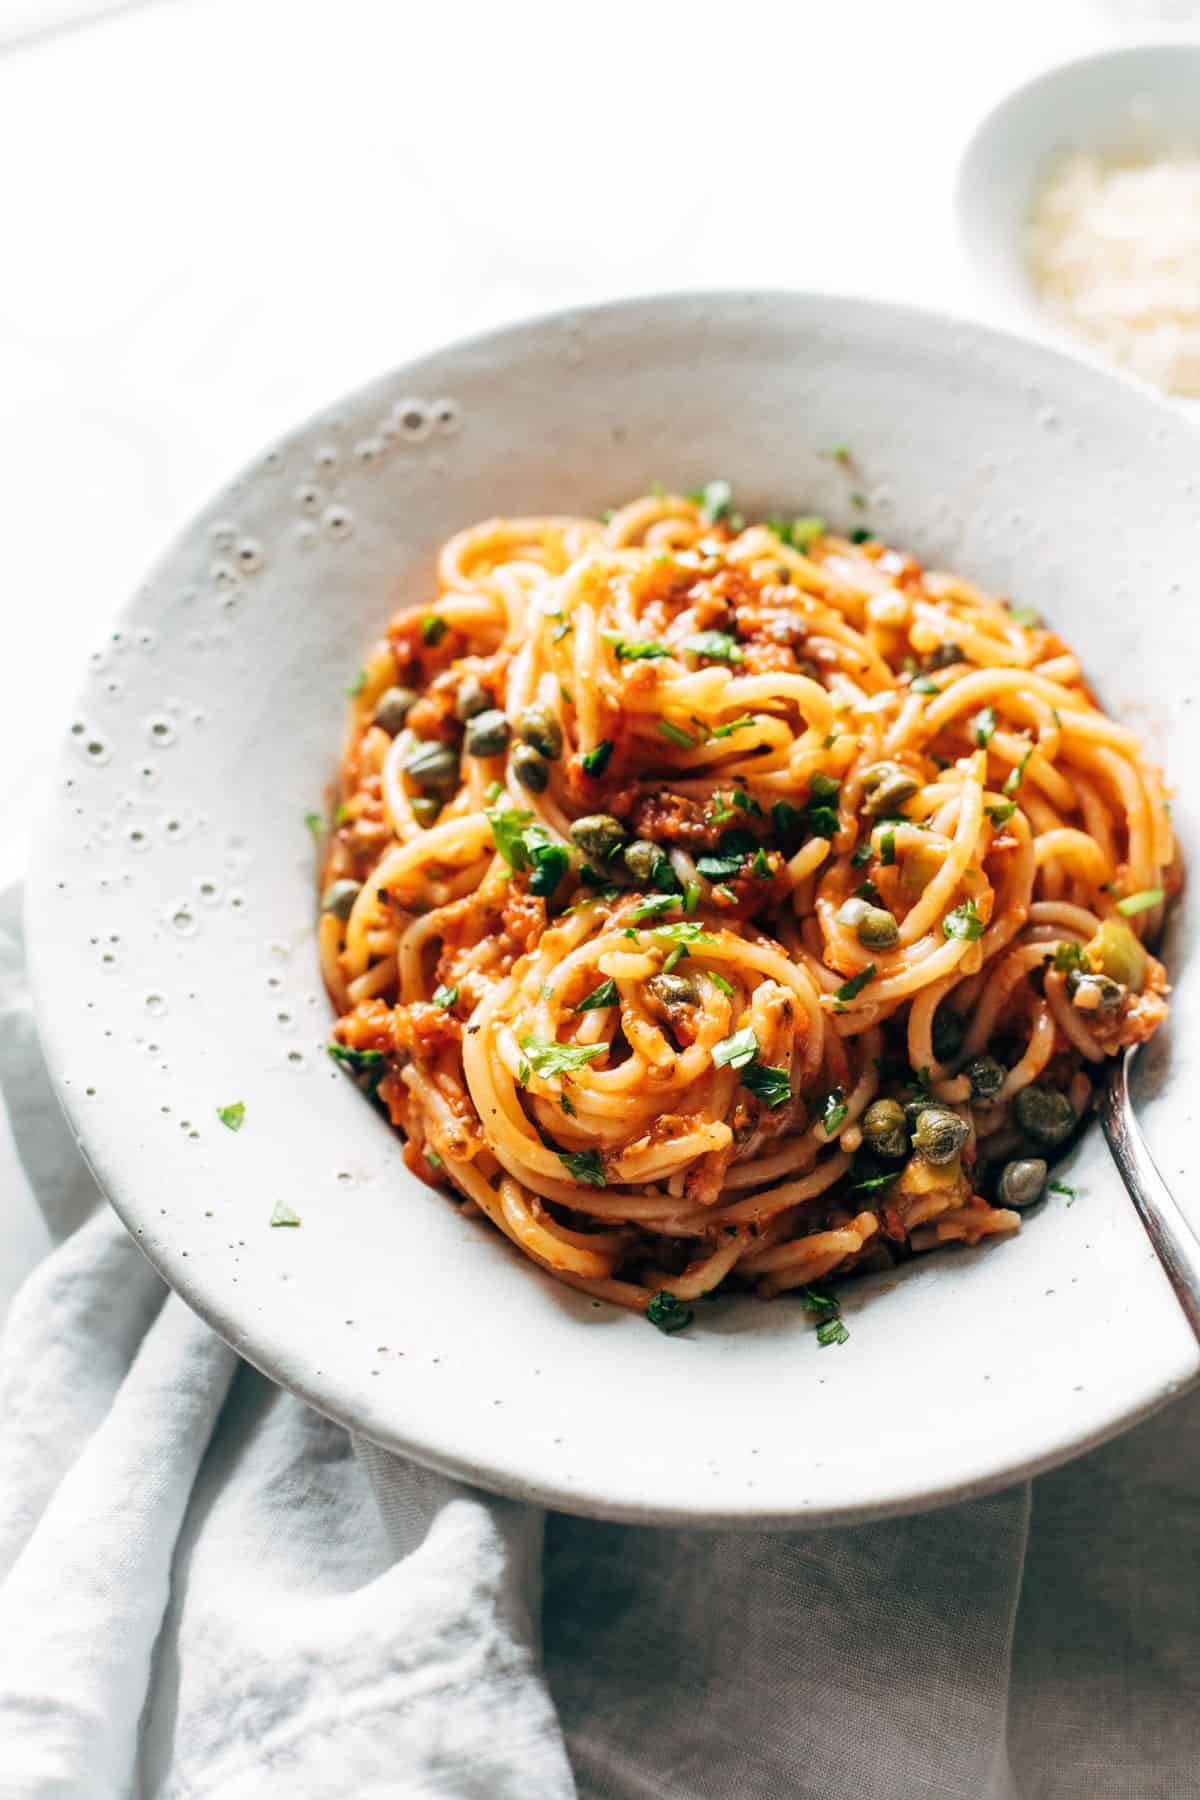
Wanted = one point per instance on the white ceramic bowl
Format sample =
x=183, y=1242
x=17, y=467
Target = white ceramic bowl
x=171, y=914
x=1125, y=102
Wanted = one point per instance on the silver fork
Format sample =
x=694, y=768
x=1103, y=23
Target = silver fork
x=1174, y=1240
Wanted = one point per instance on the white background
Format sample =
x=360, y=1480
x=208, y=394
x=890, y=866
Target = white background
x=217, y=214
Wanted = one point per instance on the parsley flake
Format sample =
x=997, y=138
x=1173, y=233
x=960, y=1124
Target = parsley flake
x=596, y=760
x=584, y=1165
x=667, y=1313
x=736, y=1051
x=716, y=646
x=445, y=997
x=232, y=1116
x=548, y=1057
x=604, y=995
x=964, y=922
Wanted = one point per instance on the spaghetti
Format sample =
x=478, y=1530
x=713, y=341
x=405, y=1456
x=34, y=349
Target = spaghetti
x=713, y=904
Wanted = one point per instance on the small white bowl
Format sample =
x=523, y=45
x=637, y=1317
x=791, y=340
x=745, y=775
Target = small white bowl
x=1121, y=103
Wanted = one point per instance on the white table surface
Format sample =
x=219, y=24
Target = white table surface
x=218, y=214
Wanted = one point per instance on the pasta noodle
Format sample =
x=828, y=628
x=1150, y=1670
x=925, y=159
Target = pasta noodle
x=714, y=904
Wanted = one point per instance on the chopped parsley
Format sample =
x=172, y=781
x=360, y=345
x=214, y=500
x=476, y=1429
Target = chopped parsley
x=736, y=1051
x=316, y=824
x=1067, y=957
x=715, y=500
x=445, y=997
x=548, y=1057
x=799, y=533
x=525, y=845
x=358, y=684
x=983, y=726
x=1063, y=1187
x=1140, y=902
x=604, y=995
x=584, y=1165
x=508, y=834
x=832, y=1109
x=677, y=735
x=283, y=1214
x=371, y=1065
x=887, y=847
x=1017, y=775
x=691, y=896
x=564, y=1100
x=964, y=922
x=768, y=1084
x=850, y=990
x=655, y=906
x=233, y=1116
x=870, y=1184
x=596, y=760
x=687, y=931
x=724, y=731
x=717, y=646
x=639, y=650
x=860, y=535
x=433, y=629
x=830, y=1329
x=720, y=982
x=1000, y=815
x=550, y=864
x=668, y=1313
x=759, y=865
x=923, y=684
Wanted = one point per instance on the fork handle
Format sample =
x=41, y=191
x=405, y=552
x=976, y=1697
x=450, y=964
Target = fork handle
x=1174, y=1240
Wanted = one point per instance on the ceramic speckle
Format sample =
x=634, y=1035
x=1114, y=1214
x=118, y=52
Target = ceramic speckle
x=187, y=922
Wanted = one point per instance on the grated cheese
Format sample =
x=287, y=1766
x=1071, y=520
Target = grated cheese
x=1114, y=251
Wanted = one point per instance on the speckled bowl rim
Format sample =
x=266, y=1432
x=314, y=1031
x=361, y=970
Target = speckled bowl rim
x=253, y=1341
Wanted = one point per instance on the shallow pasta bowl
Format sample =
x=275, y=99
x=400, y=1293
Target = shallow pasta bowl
x=171, y=912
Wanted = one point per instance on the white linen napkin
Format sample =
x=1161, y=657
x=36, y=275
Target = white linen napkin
x=208, y=1591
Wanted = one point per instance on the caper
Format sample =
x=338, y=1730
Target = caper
x=674, y=990
x=642, y=859
x=944, y=655
x=487, y=733
x=852, y=910
x=1119, y=954
x=986, y=1076
x=885, y=1129
x=530, y=768
x=1094, y=993
x=940, y=1134
x=432, y=766
x=1021, y=1182
x=339, y=898
x=886, y=786
x=472, y=698
x=425, y=809
x=391, y=708
x=598, y=835
x=948, y=1034
x=538, y=726
x=877, y=929
x=1044, y=1114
